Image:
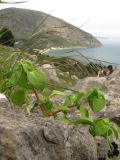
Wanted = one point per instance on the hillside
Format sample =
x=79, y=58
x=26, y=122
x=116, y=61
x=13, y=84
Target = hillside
x=53, y=32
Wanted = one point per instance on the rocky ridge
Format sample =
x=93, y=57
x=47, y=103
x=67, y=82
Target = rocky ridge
x=53, y=32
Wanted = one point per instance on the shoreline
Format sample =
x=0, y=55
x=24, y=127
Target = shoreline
x=43, y=51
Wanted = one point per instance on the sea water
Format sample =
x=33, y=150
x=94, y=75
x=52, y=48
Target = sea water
x=109, y=53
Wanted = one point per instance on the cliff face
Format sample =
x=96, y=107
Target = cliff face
x=53, y=32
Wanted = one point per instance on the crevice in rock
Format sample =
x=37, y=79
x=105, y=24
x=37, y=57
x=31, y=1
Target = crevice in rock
x=112, y=153
x=115, y=151
x=30, y=142
x=48, y=139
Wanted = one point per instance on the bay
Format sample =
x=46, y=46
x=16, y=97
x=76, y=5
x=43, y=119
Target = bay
x=108, y=52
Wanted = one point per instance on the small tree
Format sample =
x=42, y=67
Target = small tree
x=6, y=37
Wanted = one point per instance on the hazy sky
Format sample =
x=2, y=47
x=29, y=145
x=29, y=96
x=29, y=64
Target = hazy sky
x=103, y=16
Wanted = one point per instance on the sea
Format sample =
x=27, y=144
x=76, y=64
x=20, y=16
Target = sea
x=108, y=53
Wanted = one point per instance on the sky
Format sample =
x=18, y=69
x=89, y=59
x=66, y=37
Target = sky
x=98, y=17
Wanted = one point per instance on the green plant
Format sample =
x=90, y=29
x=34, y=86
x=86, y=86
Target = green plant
x=118, y=158
x=26, y=80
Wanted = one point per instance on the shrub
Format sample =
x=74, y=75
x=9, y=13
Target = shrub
x=6, y=37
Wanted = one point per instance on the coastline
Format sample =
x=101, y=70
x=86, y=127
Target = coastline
x=44, y=51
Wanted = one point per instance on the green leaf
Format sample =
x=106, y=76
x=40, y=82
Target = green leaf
x=70, y=100
x=18, y=97
x=23, y=81
x=64, y=108
x=92, y=131
x=84, y=112
x=74, y=99
x=16, y=75
x=94, y=92
x=57, y=93
x=97, y=103
x=77, y=100
x=27, y=66
x=102, y=127
x=1, y=75
x=45, y=100
x=115, y=131
x=84, y=120
x=37, y=79
x=64, y=119
x=96, y=100
x=19, y=77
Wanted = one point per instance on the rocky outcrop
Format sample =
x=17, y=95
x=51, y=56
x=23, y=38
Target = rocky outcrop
x=84, y=84
x=113, y=97
x=31, y=137
x=110, y=85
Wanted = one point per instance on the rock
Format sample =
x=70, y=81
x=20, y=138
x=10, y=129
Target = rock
x=113, y=107
x=3, y=97
x=112, y=111
x=51, y=73
x=90, y=82
x=33, y=57
x=110, y=86
x=4, y=103
x=31, y=137
x=74, y=77
x=114, y=81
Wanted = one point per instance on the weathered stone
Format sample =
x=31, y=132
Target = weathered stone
x=31, y=137
x=33, y=58
x=4, y=103
x=50, y=73
x=74, y=77
x=90, y=82
x=110, y=86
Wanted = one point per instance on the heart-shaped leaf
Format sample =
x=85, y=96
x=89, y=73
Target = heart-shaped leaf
x=18, y=96
x=37, y=79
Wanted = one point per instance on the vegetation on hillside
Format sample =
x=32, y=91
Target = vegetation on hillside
x=6, y=37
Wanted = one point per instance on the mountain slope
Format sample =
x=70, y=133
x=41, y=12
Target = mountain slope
x=53, y=32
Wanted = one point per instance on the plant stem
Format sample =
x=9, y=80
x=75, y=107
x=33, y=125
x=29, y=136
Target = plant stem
x=107, y=145
x=59, y=110
x=38, y=99
x=42, y=107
